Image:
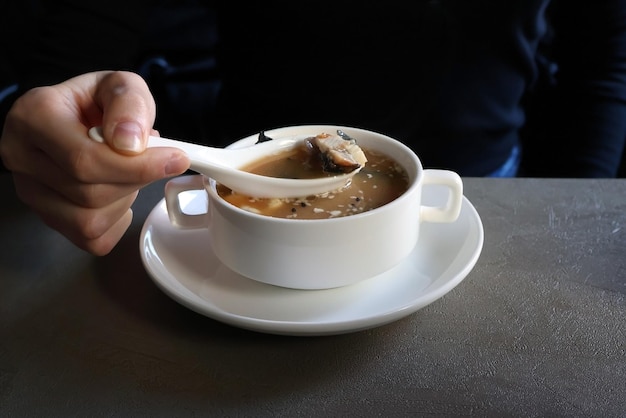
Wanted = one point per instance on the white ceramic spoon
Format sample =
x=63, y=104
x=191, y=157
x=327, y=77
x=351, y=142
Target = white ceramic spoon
x=222, y=165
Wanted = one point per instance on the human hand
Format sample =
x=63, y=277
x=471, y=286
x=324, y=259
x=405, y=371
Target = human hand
x=82, y=188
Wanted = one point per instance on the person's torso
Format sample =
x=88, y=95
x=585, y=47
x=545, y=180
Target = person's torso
x=445, y=77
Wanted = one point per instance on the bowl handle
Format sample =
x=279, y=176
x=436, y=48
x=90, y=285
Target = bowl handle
x=173, y=190
x=449, y=212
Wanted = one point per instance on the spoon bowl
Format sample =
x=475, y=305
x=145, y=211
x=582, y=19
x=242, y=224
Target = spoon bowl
x=223, y=165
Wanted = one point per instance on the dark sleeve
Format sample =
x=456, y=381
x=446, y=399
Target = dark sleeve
x=75, y=36
x=579, y=121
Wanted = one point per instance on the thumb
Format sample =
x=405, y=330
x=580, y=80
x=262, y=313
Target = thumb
x=128, y=111
x=128, y=138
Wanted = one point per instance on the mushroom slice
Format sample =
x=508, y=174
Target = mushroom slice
x=338, y=155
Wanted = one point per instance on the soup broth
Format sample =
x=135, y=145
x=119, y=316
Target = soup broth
x=378, y=183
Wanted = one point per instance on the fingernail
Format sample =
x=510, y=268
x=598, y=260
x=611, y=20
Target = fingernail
x=127, y=137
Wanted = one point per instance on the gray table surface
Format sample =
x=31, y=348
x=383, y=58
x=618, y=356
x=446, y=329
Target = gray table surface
x=538, y=328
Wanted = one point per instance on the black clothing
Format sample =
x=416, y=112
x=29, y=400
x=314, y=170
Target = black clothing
x=459, y=81
x=446, y=78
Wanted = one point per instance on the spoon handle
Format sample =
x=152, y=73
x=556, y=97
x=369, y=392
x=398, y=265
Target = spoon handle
x=198, y=154
x=203, y=155
x=205, y=160
x=223, y=165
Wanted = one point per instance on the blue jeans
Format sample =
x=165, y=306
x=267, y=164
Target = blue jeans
x=510, y=166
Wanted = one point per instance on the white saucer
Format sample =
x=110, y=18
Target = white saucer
x=183, y=265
